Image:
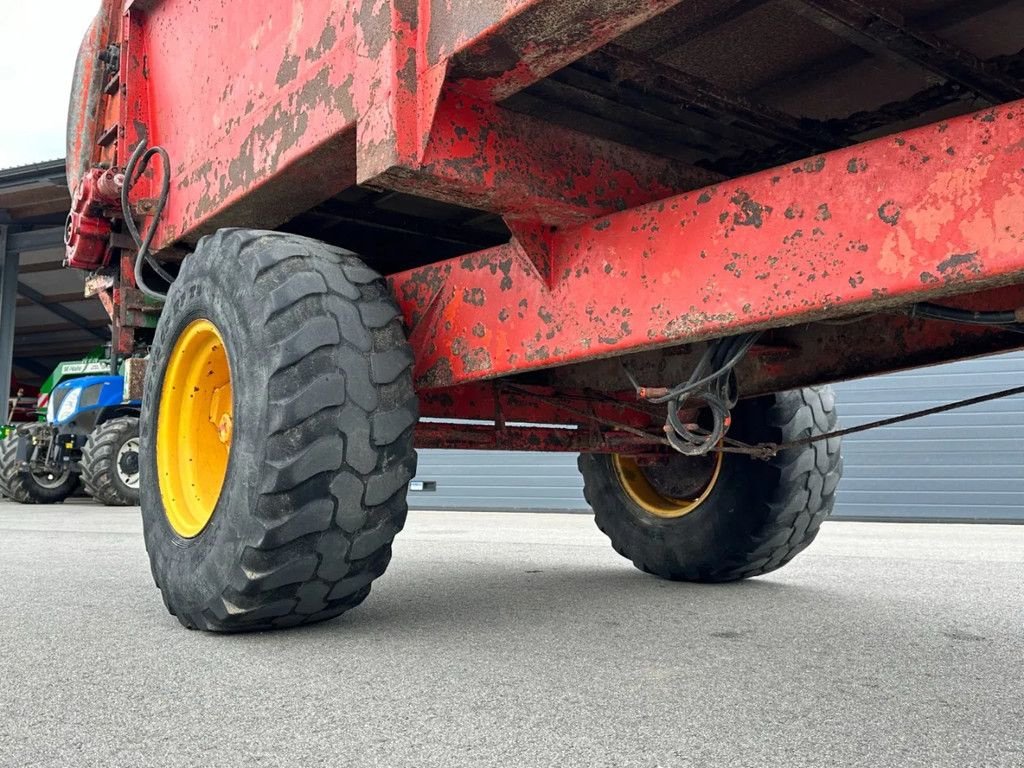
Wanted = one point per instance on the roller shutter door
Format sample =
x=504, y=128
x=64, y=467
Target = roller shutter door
x=497, y=480
x=967, y=463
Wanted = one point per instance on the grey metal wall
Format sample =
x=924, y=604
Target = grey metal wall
x=966, y=464
x=498, y=480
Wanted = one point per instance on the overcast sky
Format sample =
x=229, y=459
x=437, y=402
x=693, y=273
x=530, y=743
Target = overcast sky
x=38, y=47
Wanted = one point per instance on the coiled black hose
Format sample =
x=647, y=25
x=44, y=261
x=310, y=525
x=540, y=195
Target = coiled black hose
x=711, y=384
x=137, y=164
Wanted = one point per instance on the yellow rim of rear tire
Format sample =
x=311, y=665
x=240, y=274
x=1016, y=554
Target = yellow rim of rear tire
x=194, y=426
x=639, y=489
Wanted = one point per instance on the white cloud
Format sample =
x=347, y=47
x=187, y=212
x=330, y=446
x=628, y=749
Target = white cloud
x=38, y=47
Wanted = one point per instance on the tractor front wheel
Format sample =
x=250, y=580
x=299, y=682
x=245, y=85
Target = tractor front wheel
x=110, y=462
x=19, y=483
x=276, y=433
x=723, y=517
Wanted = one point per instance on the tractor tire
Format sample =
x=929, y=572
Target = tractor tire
x=730, y=517
x=20, y=485
x=110, y=462
x=292, y=358
x=8, y=450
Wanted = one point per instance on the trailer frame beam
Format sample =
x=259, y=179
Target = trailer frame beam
x=883, y=29
x=861, y=229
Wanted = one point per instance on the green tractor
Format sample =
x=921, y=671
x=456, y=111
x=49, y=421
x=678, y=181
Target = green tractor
x=86, y=431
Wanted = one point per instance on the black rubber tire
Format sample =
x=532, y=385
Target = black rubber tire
x=8, y=450
x=759, y=515
x=100, y=474
x=321, y=453
x=18, y=484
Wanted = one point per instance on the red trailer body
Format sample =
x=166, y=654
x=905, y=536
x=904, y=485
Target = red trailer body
x=566, y=195
x=278, y=111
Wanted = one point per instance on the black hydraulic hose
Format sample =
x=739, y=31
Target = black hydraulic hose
x=938, y=312
x=723, y=356
x=136, y=166
x=711, y=384
x=999, y=320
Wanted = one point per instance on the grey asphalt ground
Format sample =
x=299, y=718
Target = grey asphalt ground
x=524, y=640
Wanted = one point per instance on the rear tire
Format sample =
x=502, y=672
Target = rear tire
x=755, y=515
x=18, y=484
x=319, y=424
x=110, y=462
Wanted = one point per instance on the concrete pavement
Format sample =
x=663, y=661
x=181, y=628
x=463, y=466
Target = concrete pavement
x=524, y=640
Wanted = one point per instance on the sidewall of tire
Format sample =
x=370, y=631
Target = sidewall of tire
x=321, y=453
x=194, y=575
x=712, y=534
x=752, y=509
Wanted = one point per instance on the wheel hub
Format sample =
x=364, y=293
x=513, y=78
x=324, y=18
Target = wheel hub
x=194, y=428
x=672, y=488
x=128, y=463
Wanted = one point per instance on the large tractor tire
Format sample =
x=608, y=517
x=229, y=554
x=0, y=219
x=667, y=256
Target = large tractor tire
x=276, y=433
x=110, y=462
x=19, y=484
x=723, y=517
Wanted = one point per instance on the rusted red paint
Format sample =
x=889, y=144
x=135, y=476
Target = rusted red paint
x=419, y=131
x=106, y=297
x=394, y=99
x=95, y=97
x=773, y=249
x=481, y=437
x=607, y=257
x=327, y=93
x=790, y=357
x=825, y=353
x=495, y=401
x=125, y=306
x=269, y=106
x=135, y=120
x=495, y=48
x=524, y=417
x=483, y=156
x=817, y=353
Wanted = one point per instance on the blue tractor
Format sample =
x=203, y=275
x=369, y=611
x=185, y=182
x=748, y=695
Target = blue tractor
x=90, y=435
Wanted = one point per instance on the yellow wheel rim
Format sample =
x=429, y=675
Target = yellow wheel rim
x=194, y=426
x=639, y=489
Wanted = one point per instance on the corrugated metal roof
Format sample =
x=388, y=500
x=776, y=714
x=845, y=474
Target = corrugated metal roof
x=31, y=172
x=39, y=164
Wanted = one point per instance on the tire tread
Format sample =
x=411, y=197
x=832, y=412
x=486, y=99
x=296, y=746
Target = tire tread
x=99, y=461
x=790, y=512
x=331, y=497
